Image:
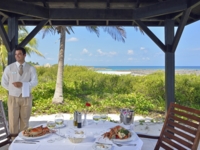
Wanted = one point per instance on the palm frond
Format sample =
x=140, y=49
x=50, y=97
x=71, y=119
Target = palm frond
x=47, y=30
x=30, y=50
x=94, y=29
x=117, y=33
x=68, y=29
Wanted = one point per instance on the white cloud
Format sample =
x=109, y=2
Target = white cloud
x=142, y=48
x=99, y=51
x=85, y=51
x=130, y=52
x=72, y=39
x=130, y=59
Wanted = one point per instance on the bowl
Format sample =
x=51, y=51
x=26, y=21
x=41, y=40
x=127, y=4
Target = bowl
x=77, y=136
x=75, y=139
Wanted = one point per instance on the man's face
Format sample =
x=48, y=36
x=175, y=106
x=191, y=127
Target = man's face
x=19, y=56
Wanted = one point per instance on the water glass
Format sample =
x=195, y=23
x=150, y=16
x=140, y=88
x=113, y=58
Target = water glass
x=96, y=118
x=59, y=120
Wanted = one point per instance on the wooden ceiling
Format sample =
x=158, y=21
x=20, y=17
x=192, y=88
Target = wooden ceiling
x=98, y=12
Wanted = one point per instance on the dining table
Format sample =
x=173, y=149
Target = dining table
x=92, y=136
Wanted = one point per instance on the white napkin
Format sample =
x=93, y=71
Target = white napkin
x=25, y=89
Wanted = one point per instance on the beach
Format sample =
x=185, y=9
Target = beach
x=140, y=72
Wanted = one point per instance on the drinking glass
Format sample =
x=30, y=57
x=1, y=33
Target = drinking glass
x=104, y=117
x=51, y=125
x=96, y=118
x=59, y=120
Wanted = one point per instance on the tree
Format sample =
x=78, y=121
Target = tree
x=30, y=48
x=117, y=33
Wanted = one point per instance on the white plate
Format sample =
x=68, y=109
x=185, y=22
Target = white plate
x=101, y=147
x=132, y=138
x=32, y=138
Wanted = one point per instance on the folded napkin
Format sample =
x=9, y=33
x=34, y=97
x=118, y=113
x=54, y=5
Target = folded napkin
x=25, y=89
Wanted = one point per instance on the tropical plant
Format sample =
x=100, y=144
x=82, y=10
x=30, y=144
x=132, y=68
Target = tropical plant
x=31, y=47
x=117, y=33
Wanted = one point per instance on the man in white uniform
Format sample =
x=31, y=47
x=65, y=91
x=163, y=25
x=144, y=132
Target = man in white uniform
x=18, y=78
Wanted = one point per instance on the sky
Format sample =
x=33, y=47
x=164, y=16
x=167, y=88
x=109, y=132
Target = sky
x=86, y=49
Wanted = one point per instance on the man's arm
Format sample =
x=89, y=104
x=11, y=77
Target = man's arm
x=5, y=78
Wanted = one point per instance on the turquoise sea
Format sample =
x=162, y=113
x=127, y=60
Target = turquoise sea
x=128, y=68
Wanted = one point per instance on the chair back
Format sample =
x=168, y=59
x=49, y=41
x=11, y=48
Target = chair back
x=4, y=132
x=181, y=129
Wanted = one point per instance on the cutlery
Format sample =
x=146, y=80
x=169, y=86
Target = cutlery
x=103, y=143
x=119, y=144
x=60, y=135
x=25, y=142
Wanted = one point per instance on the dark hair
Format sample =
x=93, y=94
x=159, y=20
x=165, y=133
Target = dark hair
x=21, y=49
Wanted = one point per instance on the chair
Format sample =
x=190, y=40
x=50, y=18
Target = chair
x=5, y=136
x=181, y=129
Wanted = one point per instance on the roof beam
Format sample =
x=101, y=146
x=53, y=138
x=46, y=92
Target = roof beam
x=180, y=29
x=24, y=8
x=92, y=14
x=193, y=3
x=150, y=34
x=4, y=37
x=33, y=33
x=160, y=9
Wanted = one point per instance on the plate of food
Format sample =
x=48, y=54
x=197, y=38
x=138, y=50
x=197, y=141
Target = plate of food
x=120, y=134
x=101, y=146
x=35, y=133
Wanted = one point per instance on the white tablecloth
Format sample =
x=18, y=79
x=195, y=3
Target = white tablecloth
x=64, y=144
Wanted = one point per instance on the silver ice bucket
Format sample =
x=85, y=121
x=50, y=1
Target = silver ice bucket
x=126, y=116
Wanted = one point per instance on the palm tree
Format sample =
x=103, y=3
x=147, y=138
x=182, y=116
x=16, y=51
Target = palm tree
x=117, y=33
x=31, y=47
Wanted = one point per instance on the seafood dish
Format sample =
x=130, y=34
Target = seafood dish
x=117, y=132
x=35, y=132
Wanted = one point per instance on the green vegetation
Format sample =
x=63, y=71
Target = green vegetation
x=144, y=94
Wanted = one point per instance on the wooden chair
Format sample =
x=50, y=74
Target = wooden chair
x=181, y=129
x=5, y=136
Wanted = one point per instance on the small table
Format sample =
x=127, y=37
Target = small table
x=64, y=144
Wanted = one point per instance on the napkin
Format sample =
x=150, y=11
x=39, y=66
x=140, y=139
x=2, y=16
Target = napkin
x=25, y=89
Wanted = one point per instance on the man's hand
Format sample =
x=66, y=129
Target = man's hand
x=17, y=84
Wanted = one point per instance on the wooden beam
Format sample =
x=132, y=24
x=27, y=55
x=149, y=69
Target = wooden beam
x=169, y=64
x=193, y=3
x=92, y=14
x=160, y=9
x=33, y=33
x=13, y=36
x=4, y=37
x=24, y=8
x=150, y=34
x=180, y=29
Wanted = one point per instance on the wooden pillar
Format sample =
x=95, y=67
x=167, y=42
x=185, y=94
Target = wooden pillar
x=13, y=37
x=169, y=63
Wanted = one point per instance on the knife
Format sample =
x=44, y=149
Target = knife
x=25, y=142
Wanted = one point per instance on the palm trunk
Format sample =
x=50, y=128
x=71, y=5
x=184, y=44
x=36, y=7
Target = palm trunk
x=58, y=95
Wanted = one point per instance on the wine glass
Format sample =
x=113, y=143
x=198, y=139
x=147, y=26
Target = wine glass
x=51, y=125
x=104, y=117
x=96, y=118
x=59, y=120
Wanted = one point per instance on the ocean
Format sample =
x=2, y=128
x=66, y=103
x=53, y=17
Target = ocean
x=128, y=68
